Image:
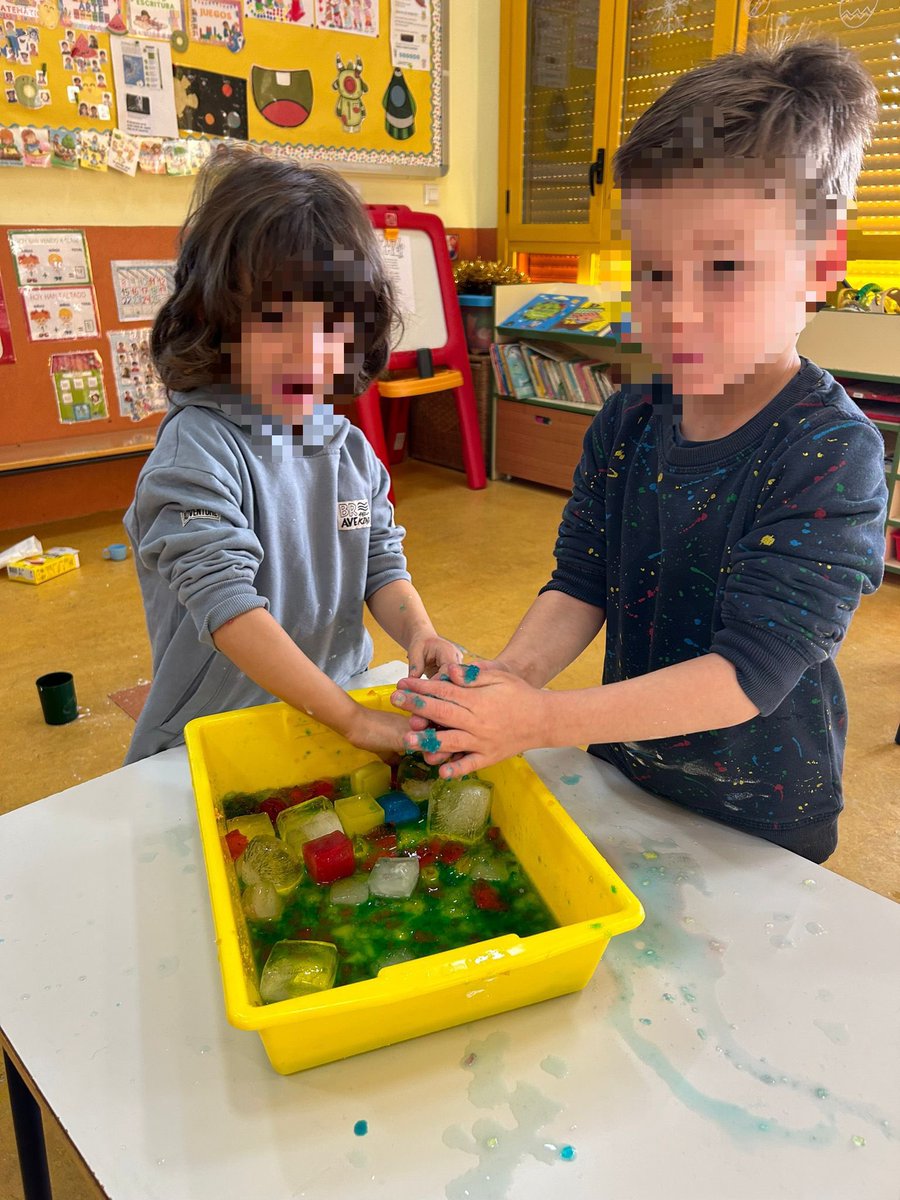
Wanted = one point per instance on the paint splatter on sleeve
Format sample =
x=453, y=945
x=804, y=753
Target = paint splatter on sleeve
x=816, y=545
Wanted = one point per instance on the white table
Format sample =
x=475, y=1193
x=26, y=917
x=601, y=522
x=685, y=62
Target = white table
x=743, y=1044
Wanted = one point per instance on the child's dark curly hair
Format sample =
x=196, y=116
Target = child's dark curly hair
x=260, y=231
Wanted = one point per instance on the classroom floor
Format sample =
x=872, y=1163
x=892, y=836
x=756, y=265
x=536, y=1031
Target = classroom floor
x=478, y=558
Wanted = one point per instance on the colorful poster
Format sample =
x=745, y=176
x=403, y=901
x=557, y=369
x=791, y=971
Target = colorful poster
x=60, y=313
x=64, y=145
x=36, y=148
x=19, y=11
x=141, y=287
x=146, y=98
x=89, y=14
x=11, y=148
x=210, y=103
x=292, y=12
x=218, y=23
x=155, y=18
x=348, y=16
x=18, y=43
x=94, y=154
x=411, y=34
x=50, y=256
x=140, y=390
x=78, y=386
x=7, y=353
x=123, y=152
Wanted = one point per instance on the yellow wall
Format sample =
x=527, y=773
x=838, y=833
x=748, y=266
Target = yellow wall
x=468, y=193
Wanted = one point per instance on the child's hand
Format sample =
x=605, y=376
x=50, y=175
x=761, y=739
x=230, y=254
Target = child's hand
x=380, y=732
x=486, y=713
x=428, y=653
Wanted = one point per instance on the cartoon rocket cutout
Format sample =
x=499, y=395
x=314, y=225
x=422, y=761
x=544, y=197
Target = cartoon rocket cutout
x=399, y=108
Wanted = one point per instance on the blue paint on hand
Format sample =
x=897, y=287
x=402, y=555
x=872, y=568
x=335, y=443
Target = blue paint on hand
x=361, y=1128
x=419, y=702
x=429, y=741
x=471, y=673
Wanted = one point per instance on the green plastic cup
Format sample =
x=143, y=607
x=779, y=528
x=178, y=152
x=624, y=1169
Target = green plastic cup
x=57, y=694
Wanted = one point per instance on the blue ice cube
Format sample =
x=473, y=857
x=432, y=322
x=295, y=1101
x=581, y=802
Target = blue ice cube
x=399, y=809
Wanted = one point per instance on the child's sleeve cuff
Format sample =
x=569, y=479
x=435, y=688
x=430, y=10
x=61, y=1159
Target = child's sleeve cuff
x=768, y=668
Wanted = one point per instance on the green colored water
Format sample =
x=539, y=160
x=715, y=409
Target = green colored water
x=443, y=913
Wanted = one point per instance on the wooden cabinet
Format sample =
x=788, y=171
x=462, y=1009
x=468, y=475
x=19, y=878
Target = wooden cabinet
x=538, y=442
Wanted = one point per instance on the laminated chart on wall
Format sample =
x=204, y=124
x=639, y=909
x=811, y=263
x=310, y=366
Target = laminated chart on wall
x=78, y=386
x=355, y=83
x=140, y=390
x=141, y=287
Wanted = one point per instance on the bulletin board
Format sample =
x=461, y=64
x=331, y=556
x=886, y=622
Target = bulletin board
x=30, y=410
x=359, y=84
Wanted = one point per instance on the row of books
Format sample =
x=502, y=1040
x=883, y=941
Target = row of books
x=525, y=370
x=562, y=314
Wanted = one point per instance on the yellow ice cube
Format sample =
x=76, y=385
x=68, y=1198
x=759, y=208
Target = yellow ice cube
x=252, y=825
x=373, y=777
x=359, y=814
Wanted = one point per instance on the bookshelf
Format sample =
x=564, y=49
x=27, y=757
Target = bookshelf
x=536, y=438
x=865, y=347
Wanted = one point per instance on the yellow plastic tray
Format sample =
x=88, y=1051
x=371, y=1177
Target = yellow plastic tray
x=274, y=746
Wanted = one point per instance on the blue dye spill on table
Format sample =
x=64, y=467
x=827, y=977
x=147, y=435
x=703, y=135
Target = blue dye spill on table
x=669, y=945
x=567, y=1153
x=569, y=780
x=361, y=1128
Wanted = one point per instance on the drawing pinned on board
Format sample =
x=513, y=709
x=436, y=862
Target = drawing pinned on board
x=207, y=102
x=351, y=87
x=284, y=98
x=399, y=108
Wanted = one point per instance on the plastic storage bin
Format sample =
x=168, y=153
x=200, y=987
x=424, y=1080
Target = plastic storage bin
x=273, y=746
x=478, y=322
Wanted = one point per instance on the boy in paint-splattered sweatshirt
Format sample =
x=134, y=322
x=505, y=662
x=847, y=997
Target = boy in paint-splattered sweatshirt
x=727, y=513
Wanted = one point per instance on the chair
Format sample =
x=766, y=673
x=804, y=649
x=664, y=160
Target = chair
x=450, y=360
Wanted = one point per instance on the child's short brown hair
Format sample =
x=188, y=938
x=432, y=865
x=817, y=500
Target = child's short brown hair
x=809, y=102
x=262, y=230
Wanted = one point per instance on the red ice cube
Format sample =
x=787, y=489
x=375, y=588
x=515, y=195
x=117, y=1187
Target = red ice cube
x=272, y=808
x=236, y=843
x=329, y=858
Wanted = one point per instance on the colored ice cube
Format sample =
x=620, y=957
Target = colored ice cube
x=329, y=858
x=269, y=860
x=460, y=808
x=307, y=791
x=298, y=969
x=399, y=809
x=350, y=891
x=359, y=813
x=262, y=903
x=251, y=826
x=304, y=823
x=395, y=878
x=373, y=777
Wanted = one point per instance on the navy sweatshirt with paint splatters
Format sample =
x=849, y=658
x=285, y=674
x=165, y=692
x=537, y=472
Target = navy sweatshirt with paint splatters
x=757, y=547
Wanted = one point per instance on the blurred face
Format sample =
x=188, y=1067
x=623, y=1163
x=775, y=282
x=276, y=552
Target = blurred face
x=291, y=356
x=720, y=279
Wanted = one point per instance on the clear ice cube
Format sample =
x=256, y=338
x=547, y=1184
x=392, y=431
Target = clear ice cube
x=298, y=969
x=350, y=891
x=262, y=903
x=481, y=863
x=395, y=878
x=269, y=860
x=460, y=809
x=300, y=825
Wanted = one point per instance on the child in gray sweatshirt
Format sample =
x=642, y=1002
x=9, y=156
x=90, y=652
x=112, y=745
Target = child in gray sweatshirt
x=261, y=522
